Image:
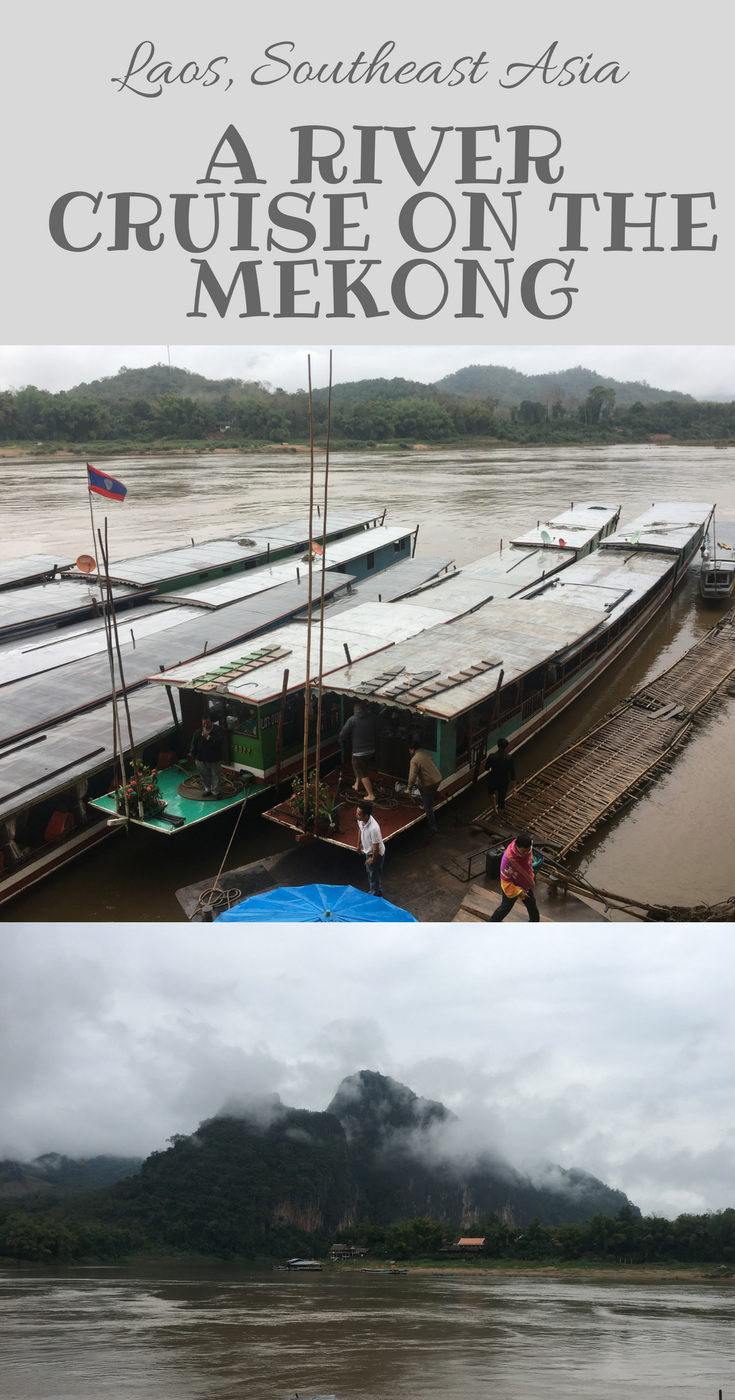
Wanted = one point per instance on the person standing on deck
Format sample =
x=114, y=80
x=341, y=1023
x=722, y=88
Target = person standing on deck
x=517, y=879
x=360, y=730
x=424, y=775
x=501, y=771
x=373, y=847
x=206, y=750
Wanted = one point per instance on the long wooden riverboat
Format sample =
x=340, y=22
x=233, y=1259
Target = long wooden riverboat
x=256, y=695
x=56, y=708
x=510, y=668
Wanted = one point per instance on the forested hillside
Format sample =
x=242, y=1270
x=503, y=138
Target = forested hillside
x=265, y=1179
x=137, y=409
x=509, y=387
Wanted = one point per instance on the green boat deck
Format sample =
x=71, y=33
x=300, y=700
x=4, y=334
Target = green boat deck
x=168, y=781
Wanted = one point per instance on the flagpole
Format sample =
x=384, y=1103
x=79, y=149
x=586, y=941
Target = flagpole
x=323, y=590
x=117, y=748
x=136, y=774
x=307, y=691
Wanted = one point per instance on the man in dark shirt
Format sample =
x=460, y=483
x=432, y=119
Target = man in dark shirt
x=501, y=771
x=206, y=750
x=360, y=731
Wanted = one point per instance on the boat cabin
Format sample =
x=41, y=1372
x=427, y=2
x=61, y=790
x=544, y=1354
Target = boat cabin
x=506, y=668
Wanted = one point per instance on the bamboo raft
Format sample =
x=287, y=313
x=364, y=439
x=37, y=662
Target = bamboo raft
x=565, y=801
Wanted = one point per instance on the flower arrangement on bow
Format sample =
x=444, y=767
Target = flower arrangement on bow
x=143, y=780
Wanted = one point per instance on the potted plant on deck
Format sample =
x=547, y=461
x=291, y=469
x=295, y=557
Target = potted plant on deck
x=319, y=799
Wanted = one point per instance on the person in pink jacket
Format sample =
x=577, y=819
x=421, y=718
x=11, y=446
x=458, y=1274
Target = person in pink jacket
x=517, y=879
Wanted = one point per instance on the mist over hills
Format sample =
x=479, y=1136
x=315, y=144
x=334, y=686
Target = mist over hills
x=263, y=1178
x=59, y=1175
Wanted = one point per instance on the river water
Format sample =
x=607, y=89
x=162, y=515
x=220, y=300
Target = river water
x=674, y=845
x=181, y=1332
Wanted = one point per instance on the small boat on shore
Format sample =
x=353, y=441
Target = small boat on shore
x=392, y=1272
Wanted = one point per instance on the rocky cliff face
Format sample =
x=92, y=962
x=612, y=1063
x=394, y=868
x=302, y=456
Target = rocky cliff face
x=405, y=1167
x=261, y=1178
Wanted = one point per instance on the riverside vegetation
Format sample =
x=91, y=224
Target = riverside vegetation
x=175, y=409
x=261, y=1181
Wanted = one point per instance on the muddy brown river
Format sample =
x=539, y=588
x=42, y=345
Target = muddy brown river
x=206, y=1332
x=674, y=845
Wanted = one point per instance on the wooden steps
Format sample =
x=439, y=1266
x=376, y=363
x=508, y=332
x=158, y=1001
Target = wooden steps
x=479, y=904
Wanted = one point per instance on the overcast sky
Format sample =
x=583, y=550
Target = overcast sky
x=604, y=1048
x=706, y=371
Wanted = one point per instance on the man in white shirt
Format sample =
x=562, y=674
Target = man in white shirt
x=373, y=847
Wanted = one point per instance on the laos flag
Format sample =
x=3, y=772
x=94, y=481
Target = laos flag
x=106, y=485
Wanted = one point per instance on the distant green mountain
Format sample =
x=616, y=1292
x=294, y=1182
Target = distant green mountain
x=365, y=390
x=510, y=387
x=62, y=1175
x=149, y=382
x=505, y=386
x=264, y=1179
x=403, y=1169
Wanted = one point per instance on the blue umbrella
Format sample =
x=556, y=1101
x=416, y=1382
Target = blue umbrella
x=316, y=904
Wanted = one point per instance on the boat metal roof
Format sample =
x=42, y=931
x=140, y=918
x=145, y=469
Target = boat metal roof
x=223, y=591
x=555, y=615
x=188, y=559
x=339, y=553
x=453, y=668
x=401, y=580
x=36, y=701
x=577, y=527
x=30, y=567
x=55, y=602
x=509, y=571
x=71, y=751
x=721, y=546
x=293, y=531
x=497, y=575
x=34, y=659
x=157, y=567
x=667, y=526
x=366, y=629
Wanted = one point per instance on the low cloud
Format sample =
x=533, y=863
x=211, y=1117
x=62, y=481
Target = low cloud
x=606, y=1049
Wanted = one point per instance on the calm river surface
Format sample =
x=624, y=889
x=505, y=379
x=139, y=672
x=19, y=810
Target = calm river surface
x=186, y=1333
x=672, y=845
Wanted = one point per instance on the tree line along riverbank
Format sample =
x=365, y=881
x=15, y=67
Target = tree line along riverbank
x=69, y=1232
x=141, y=410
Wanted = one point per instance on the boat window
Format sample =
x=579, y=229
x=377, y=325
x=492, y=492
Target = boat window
x=331, y=713
x=371, y=561
x=534, y=681
x=242, y=718
x=508, y=698
x=293, y=720
x=203, y=576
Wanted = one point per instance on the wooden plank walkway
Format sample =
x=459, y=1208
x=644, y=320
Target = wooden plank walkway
x=567, y=799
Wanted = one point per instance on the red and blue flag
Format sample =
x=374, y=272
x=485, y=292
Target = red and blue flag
x=106, y=485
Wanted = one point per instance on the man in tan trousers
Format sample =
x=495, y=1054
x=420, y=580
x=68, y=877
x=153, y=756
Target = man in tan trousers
x=424, y=775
